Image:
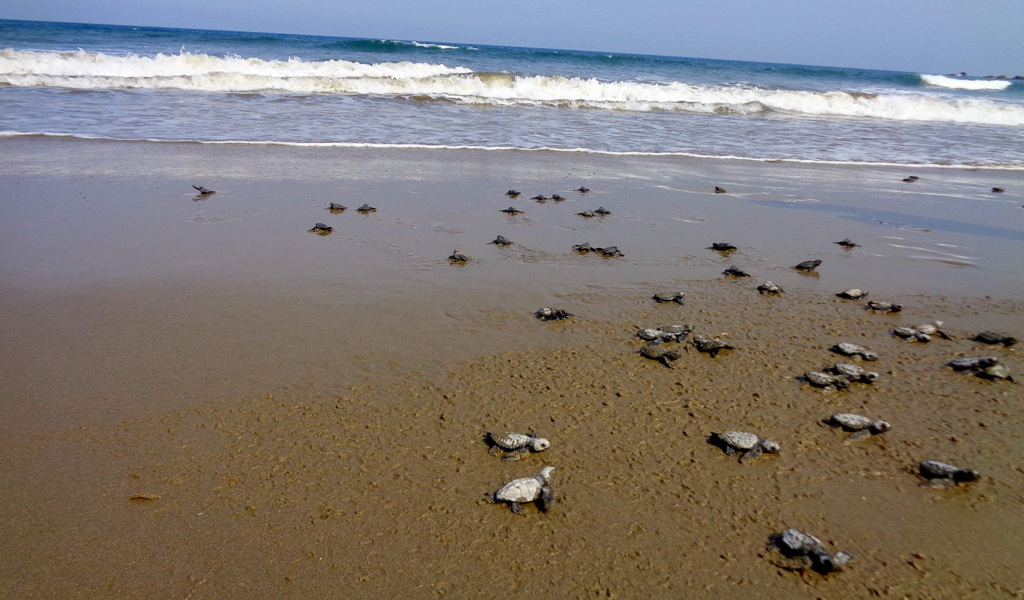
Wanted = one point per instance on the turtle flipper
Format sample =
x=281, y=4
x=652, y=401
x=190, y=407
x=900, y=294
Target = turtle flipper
x=547, y=499
x=939, y=484
x=729, y=450
x=863, y=434
x=751, y=455
x=665, y=361
x=516, y=454
x=494, y=450
x=516, y=508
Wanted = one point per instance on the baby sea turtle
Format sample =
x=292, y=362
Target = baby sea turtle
x=719, y=190
x=996, y=372
x=539, y=198
x=587, y=214
x=366, y=208
x=910, y=179
x=769, y=288
x=512, y=210
x=512, y=194
x=722, y=246
x=582, y=189
x=735, y=272
x=656, y=351
x=854, y=373
x=884, y=306
x=710, y=345
x=458, y=257
x=848, y=243
x=803, y=551
x=649, y=334
x=852, y=294
x=583, y=248
x=940, y=474
x=321, y=229
x=921, y=333
x=676, y=333
x=997, y=190
x=513, y=446
x=808, y=266
x=662, y=297
x=848, y=349
x=827, y=381
x=557, y=198
x=750, y=446
x=553, y=314
x=203, y=191
x=973, y=364
x=337, y=208
x=602, y=211
x=528, y=489
x=609, y=252
x=501, y=241
x=862, y=427
x=994, y=337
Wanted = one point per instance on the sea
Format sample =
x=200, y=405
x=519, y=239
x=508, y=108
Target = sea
x=229, y=87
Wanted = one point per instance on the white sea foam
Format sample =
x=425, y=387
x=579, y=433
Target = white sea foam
x=431, y=82
x=964, y=84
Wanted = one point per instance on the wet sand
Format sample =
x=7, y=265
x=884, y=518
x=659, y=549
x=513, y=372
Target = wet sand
x=310, y=409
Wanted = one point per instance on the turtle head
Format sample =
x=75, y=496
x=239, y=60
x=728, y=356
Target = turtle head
x=869, y=376
x=539, y=444
x=966, y=475
x=769, y=447
x=880, y=426
x=545, y=474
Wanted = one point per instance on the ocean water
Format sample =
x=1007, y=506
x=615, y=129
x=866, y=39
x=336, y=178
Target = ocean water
x=141, y=83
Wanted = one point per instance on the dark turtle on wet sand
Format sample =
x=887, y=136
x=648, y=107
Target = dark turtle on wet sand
x=366, y=208
x=848, y=349
x=891, y=307
x=337, y=208
x=994, y=337
x=722, y=247
x=973, y=364
x=602, y=211
x=711, y=346
x=676, y=333
x=996, y=190
x=801, y=551
x=734, y=271
x=512, y=194
x=609, y=251
x=203, y=191
x=921, y=333
x=582, y=189
x=808, y=266
x=526, y=490
x=513, y=446
x=501, y=241
x=852, y=294
x=557, y=198
x=769, y=288
x=586, y=214
x=911, y=179
x=848, y=243
x=862, y=427
x=748, y=445
x=583, y=248
x=657, y=351
x=662, y=297
x=321, y=229
x=827, y=381
x=553, y=314
x=940, y=474
x=719, y=190
x=458, y=257
x=539, y=198
x=854, y=373
x=511, y=210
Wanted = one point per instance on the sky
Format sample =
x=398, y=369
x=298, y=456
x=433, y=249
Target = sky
x=981, y=37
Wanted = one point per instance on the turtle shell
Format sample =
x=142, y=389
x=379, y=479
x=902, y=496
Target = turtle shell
x=740, y=440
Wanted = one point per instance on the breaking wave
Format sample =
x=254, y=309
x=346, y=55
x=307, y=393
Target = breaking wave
x=964, y=84
x=424, y=82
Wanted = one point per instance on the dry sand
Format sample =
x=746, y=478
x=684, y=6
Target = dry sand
x=305, y=414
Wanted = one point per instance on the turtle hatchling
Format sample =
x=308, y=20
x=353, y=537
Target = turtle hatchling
x=996, y=372
x=609, y=252
x=513, y=446
x=734, y=271
x=848, y=349
x=657, y=351
x=511, y=210
x=553, y=314
x=583, y=248
x=458, y=257
x=994, y=337
x=502, y=241
x=748, y=445
x=808, y=266
x=524, y=490
x=854, y=373
x=650, y=334
x=973, y=364
x=862, y=427
x=539, y=198
x=719, y=190
x=203, y=191
x=722, y=246
x=321, y=229
x=826, y=381
x=587, y=214
x=337, y=208
x=710, y=345
x=940, y=474
x=602, y=211
x=366, y=208
x=663, y=297
x=557, y=198
x=848, y=243
x=512, y=194
x=852, y=294
x=769, y=288
x=890, y=307
x=803, y=551
x=676, y=333
x=582, y=189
